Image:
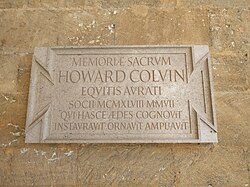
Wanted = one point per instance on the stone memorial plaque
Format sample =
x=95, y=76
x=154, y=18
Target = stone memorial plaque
x=121, y=94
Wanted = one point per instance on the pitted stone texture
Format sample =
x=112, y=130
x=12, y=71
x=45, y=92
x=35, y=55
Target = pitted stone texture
x=25, y=24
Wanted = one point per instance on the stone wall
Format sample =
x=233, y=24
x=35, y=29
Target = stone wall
x=223, y=25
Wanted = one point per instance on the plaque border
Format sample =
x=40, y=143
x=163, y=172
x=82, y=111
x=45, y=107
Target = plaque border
x=37, y=125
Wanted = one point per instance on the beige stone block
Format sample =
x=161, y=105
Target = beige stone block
x=247, y=157
x=230, y=29
x=94, y=27
x=126, y=165
x=105, y=4
x=209, y=165
x=23, y=79
x=25, y=25
x=15, y=72
x=28, y=28
x=153, y=26
x=25, y=4
x=230, y=72
x=132, y=3
x=6, y=4
x=233, y=118
x=8, y=72
x=25, y=166
x=247, y=60
x=50, y=4
x=12, y=119
x=213, y=3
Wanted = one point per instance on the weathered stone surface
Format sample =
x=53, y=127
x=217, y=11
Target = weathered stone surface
x=230, y=29
x=105, y=4
x=118, y=165
x=51, y=164
x=111, y=4
x=214, y=3
x=100, y=27
x=191, y=161
x=15, y=73
x=154, y=26
x=232, y=115
x=121, y=94
x=23, y=28
x=13, y=123
x=25, y=24
x=8, y=79
x=230, y=72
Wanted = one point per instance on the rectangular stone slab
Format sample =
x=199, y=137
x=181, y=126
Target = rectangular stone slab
x=121, y=94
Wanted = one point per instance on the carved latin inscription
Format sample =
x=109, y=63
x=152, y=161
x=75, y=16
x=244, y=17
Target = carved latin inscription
x=121, y=94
